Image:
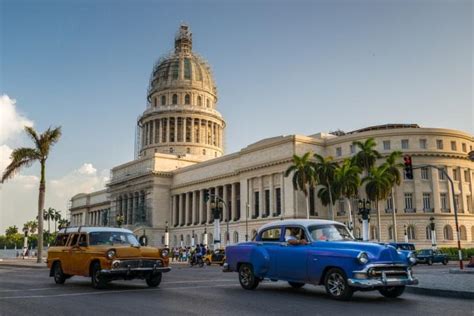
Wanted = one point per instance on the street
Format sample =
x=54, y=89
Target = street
x=198, y=291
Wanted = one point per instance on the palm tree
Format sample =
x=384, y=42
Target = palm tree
x=325, y=197
x=25, y=157
x=32, y=226
x=303, y=176
x=378, y=186
x=367, y=155
x=63, y=223
x=325, y=169
x=49, y=215
x=347, y=182
x=11, y=230
x=393, y=167
x=57, y=217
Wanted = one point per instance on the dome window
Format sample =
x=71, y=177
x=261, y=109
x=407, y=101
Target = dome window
x=187, y=99
x=199, y=100
x=154, y=102
x=208, y=103
x=187, y=69
x=175, y=70
x=175, y=99
x=163, y=100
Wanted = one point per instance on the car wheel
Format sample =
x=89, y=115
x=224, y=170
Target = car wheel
x=430, y=261
x=336, y=285
x=296, y=285
x=392, y=291
x=59, y=276
x=154, y=280
x=98, y=282
x=247, y=278
x=445, y=261
x=208, y=262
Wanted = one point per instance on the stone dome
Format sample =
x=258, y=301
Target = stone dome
x=182, y=68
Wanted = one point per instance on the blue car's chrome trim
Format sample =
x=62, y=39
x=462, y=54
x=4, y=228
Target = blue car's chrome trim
x=368, y=283
x=386, y=275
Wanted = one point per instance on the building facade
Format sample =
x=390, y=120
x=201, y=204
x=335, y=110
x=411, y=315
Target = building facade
x=181, y=156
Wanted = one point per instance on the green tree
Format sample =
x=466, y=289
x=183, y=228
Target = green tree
x=49, y=215
x=11, y=230
x=347, y=182
x=303, y=176
x=63, y=223
x=325, y=169
x=57, y=217
x=25, y=157
x=394, y=165
x=378, y=186
x=367, y=155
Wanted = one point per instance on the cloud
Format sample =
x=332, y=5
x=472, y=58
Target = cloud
x=11, y=121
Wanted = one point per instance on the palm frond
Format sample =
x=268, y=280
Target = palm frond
x=20, y=157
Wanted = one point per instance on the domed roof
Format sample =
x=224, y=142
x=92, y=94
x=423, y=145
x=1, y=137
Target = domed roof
x=183, y=67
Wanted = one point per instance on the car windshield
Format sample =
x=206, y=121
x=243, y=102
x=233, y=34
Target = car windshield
x=330, y=232
x=110, y=238
x=424, y=252
x=406, y=247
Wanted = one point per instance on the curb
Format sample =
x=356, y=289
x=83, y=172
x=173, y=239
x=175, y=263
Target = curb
x=440, y=292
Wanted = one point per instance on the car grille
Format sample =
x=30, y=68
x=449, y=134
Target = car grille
x=138, y=263
x=390, y=271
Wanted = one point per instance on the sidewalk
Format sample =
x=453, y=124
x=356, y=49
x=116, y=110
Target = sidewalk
x=23, y=263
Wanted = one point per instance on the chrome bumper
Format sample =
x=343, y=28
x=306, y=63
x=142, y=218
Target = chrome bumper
x=129, y=271
x=383, y=281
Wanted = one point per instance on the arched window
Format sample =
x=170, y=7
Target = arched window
x=390, y=232
x=428, y=232
x=373, y=232
x=462, y=232
x=411, y=232
x=199, y=100
x=155, y=101
x=187, y=99
x=163, y=100
x=208, y=103
x=448, y=232
x=236, y=237
x=175, y=99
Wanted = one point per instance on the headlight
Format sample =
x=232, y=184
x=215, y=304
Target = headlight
x=362, y=258
x=165, y=252
x=111, y=254
x=412, y=258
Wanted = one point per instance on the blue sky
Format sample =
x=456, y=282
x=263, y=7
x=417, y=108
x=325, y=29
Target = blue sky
x=281, y=67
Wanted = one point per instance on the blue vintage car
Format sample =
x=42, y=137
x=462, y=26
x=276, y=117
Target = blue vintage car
x=320, y=252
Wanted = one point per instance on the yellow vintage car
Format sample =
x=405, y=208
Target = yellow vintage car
x=215, y=257
x=104, y=254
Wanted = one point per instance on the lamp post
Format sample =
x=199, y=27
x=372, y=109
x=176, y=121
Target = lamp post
x=167, y=235
x=205, y=235
x=217, y=225
x=405, y=233
x=192, y=238
x=433, y=233
x=364, y=211
x=247, y=222
x=25, y=241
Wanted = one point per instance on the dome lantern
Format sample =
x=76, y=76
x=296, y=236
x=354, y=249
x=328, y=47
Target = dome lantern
x=183, y=42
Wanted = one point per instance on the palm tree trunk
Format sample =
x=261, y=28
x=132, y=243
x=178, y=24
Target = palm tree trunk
x=307, y=202
x=351, y=223
x=394, y=217
x=42, y=190
x=379, y=228
x=330, y=202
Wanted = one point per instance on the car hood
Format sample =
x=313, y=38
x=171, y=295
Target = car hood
x=135, y=252
x=376, y=252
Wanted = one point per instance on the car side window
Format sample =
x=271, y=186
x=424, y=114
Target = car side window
x=271, y=234
x=295, y=233
x=61, y=240
x=83, y=240
x=73, y=239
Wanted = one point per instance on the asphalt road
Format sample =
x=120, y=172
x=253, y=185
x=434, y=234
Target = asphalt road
x=198, y=291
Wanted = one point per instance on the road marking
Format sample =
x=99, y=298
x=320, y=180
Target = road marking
x=115, y=291
x=173, y=282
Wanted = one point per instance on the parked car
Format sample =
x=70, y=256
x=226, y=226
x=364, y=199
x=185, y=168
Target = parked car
x=104, y=254
x=431, y=256
x=215, y=257
x=320, y=252
x=403, y=246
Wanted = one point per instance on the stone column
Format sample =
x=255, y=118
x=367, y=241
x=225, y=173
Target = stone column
x=272, y=197
x=435, y=185
x=208, y=207
x=193, y=209
x=192, y=130
x=449, y=171
x=185, y=122
x=167, y=131
x=261, y=198
x=233, y=201
x=201, y=206
x=180, y=210
x=152, y=132
x=251, y=198
x=186, y=208
x=176, y=129
x=225, y=216
x=130, y=209
x=462, y=193
x=157, y=131
x=173, y=211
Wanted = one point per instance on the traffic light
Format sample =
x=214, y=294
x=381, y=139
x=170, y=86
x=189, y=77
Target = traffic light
x=206, y=195
x=408, y=167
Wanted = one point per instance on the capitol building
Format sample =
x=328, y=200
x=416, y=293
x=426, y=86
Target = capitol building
x=180, y=156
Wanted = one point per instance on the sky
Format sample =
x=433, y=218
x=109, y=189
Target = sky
x=281, y=67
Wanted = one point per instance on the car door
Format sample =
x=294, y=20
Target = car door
x=67, y=263
x=292, y=260
x=79, y=256
x=271, y=239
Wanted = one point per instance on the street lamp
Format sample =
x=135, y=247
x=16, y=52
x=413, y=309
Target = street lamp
x=216, y=210
x=25, y=242
x=433, y=233
x=192, y=238
x=205, y=235
x=167, y=235
x=405, y=232
x=364, y=211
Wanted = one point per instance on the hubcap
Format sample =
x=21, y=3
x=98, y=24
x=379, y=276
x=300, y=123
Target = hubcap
x=57, y=273
x=245, y=276
x=336, y=284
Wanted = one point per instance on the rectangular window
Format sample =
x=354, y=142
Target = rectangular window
x=469, y=204
x=455, y=174
x=266, y=211
x=352, y=149
x=424, y=173
x=444, y=202
x=408, y=201
x=389, y=203
x=466, y=175
x=427, y=202
x=404, y=143
x=456, y=201
x=386, y=145
x=278, y=200
x=338, y=151
x=441, y=174
x=187, y=68
x=256, y=204
x=272, y=234
x=439, y=143
x=453, y=145
x=464, y=147
x=423, y=143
